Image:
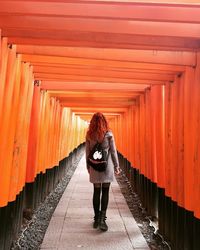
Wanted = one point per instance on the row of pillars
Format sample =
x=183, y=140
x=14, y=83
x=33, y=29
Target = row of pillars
x=177, y=225
x=31, y=197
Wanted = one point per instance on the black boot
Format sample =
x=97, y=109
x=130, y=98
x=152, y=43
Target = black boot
x=96, y=220
x=102, y=224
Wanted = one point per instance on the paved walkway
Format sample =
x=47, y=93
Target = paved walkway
x=71, y=224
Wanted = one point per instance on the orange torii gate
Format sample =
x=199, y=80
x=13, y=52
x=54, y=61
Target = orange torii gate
x=136, y=61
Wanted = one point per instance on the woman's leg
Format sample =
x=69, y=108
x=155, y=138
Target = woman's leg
x=96, y=203
x=104, y=204
x=105, y=196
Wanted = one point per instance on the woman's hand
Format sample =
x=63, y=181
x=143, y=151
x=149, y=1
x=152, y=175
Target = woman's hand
x=117, y=170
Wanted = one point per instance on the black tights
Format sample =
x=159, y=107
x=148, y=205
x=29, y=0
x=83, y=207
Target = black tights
x=98, y=189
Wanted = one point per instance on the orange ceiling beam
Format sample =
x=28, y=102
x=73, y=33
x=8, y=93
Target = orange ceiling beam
x=146, y=28
x=99, y=105
x=118, y=10
x=92, y=86
x=162, y=57
x=97, y=99
x=82, y=78
x=100, y=40
x=99, y=74
x=139, y=67
x=92, y=109
x=53, y=68
x=167, y=69
x=93, y=94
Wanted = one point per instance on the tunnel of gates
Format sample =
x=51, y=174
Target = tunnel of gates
x=146, y=80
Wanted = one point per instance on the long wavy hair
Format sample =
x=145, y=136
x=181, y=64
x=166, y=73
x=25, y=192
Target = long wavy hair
x=97, y=128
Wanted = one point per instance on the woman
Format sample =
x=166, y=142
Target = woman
x=99, y=132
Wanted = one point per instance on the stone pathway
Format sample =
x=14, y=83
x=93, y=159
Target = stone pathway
x=71, y=228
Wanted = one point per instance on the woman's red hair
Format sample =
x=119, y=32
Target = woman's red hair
x=97, y=128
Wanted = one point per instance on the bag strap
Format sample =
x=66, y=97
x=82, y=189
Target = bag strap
x=108, y=148
x=109, y=144
x=104, y=136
